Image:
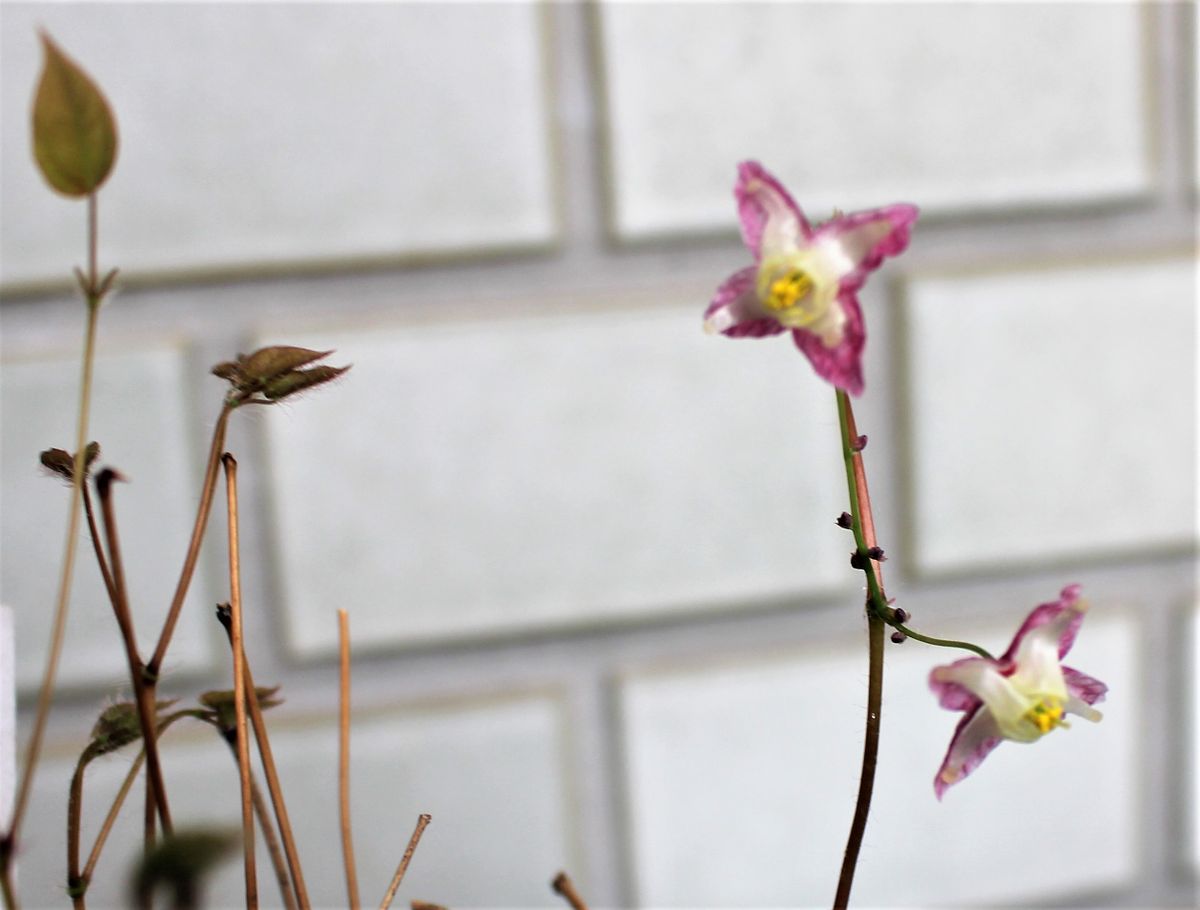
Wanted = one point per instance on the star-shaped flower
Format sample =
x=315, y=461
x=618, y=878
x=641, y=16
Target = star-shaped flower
x=804, y=279
x=1022, y=696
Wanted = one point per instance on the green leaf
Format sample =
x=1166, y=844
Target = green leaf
x=74, y=134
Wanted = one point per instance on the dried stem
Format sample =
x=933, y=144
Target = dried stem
x=97, y=546
x=344, y=758
x=273, y=785
x=193, y=552
x=156, y=789
x=239, y=681
x=94, y=297
x=422, y=821
x=278, y=863
x=563, y=885
x=111, y=818
x=863, y=526
x=85, y=877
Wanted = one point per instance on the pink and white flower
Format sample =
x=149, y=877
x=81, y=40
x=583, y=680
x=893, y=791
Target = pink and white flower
x=805, y=278
x=1021, y=696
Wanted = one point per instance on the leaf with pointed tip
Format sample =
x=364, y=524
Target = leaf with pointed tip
x=74, y=133
x=299, y=380
x=267, y=363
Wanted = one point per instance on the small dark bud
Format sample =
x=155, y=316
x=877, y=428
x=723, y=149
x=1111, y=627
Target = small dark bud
x=860, y=443
x=106, y=478
x=876, y=553
x=225, y=616
x=900, y=614
x=898, y=637
x=845, y=520
x=857, y=561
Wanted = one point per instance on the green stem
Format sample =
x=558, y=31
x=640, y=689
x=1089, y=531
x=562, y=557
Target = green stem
x=876, y=611
x=940, y=642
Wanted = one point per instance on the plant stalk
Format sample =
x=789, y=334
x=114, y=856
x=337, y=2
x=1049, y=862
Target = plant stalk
x=863, y=526
x=94, y=296
x=344, y=759
x=239, y=682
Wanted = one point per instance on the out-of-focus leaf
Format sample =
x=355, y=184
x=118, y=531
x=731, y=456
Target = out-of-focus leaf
x=180, y=863
x=74, y=133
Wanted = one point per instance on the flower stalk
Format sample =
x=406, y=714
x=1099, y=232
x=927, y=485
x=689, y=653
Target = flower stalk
x=863, y=527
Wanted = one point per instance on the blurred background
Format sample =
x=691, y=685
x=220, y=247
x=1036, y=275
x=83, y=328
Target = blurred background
x=602, y=618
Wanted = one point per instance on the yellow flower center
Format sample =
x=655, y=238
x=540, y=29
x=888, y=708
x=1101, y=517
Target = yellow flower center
x=796, y=293
x=1046, y=715
x=788, y=290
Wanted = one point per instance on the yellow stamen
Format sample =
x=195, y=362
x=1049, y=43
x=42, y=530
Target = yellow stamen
x=788, y=290
x=1046, y=714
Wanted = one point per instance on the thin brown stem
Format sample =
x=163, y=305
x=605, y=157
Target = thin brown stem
x=864, y=532
x=278, y=863
x=563, y=885
x=58, y=630
x=426, y=905
x=422, y=821
x=111, y=818
x=866, y=782
x=193, y=552
x=75, y=885
x=344, y=758
x=239, y=681
x=156, y=789
x=272, y=776
x=97, y=546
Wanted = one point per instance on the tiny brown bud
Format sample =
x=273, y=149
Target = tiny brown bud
x=876, y=553
x=845, y=520
x=898, y=637
x=859, y=443
x=900, y=614
x=856, y=560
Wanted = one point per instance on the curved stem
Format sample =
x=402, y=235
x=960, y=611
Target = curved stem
x=941, y=642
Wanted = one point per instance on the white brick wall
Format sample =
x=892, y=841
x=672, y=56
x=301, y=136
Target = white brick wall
x=602, y=617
